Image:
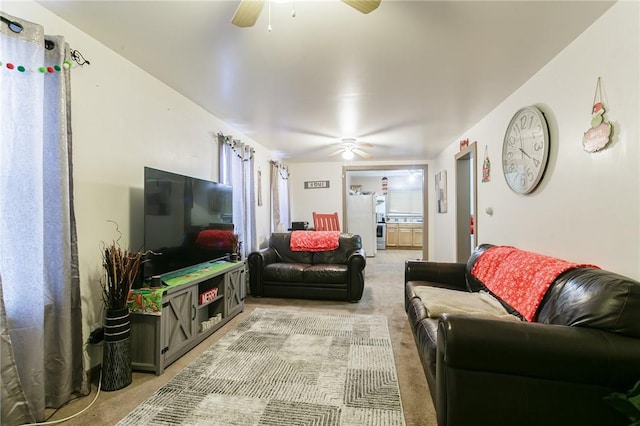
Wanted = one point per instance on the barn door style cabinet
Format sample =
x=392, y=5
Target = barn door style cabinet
x=193, y=303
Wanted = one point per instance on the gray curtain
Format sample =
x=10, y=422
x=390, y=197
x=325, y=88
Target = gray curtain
x=38, y=244
x=280, y=217
x=237, y=168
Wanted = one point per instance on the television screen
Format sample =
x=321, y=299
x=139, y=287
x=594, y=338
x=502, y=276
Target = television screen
x=186, y=221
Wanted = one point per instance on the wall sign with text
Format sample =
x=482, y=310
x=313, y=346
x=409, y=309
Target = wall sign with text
x=316, y=184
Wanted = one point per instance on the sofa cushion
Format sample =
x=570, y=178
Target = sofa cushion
x=284, y=272
x=426, y=337
x=439, y=301
x=326, y=274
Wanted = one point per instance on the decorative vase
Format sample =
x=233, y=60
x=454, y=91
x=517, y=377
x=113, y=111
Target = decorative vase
x=116, y=350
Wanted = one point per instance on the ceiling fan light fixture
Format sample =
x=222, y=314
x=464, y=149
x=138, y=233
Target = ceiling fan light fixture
x=347, y=154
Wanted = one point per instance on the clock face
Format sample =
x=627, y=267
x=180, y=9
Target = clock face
x=525, y=150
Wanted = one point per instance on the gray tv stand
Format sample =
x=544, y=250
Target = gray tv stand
x=191, y=311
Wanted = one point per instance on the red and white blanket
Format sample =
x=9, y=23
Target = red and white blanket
x=314, y=240
x=519, y=277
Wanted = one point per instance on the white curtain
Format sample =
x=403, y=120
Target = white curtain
x=280, y=214
x=237, y=169
x=38, y=254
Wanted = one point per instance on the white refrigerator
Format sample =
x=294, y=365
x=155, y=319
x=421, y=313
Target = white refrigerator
x=361, y=220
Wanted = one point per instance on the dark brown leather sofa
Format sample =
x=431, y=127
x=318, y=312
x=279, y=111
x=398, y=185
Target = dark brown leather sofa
x=277, y=271
x=583, y=344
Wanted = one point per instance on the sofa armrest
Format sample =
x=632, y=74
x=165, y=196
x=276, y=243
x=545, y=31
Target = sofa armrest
x=356, y=262
x=257, y=260
x=437, y=274
x=537, y=373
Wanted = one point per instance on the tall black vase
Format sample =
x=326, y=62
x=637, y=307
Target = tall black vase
x=116, y=351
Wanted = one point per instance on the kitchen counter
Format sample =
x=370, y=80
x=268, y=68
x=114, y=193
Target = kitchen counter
x=404, y=218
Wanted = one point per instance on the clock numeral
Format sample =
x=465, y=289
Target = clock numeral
x=536, y=162
x=523, y=121
x=509, y=155
x=512, y=141
x=511, y=167
x=537, y=146
x=530, y=174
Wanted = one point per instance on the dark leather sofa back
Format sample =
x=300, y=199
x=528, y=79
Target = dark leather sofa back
x=593, y=298
x=582, y=297
x=348, y=244
x=281, y=242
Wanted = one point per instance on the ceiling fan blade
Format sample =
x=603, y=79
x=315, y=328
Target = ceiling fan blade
x=364, y=6
x=334, y=153
x=365, y=145
x=361, y=153
x=247, y=13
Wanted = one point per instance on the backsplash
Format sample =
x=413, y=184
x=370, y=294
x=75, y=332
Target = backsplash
x=403, y=218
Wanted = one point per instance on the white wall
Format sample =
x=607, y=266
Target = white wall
x=124, y=119
x=323, y=200
x=587, y=207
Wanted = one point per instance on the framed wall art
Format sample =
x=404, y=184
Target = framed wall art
x=441, y=191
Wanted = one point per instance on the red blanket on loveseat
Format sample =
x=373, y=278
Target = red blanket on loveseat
x=314, y=240
x=520, y=278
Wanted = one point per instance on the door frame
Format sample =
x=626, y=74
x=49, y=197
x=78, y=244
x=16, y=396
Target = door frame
x=383, y=168
x=466, y=201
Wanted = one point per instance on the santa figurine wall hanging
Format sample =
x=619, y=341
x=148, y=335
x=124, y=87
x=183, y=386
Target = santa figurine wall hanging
x=599, y=135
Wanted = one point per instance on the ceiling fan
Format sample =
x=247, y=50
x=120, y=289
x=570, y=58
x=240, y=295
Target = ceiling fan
x=349, y=147
x=248, y=11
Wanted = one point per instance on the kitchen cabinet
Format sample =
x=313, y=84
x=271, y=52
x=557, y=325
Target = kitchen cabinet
x=417, y=237
x=404, y=235
x=392, y=235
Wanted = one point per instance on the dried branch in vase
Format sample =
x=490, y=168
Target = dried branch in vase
x=121, y=268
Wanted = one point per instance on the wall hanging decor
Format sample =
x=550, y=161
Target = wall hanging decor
x=259, y=188
x=599, y=135
x=486, y=166
x=385, y=185
x=441, y=191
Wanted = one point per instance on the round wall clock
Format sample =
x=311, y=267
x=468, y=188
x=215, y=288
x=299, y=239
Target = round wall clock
x=525, y=150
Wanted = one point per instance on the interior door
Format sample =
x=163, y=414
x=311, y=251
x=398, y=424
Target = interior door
x=466, y=203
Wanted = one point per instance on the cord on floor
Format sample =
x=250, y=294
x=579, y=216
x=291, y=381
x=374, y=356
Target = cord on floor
x=53, y=422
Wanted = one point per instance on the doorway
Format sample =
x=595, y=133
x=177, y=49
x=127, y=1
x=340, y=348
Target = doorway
x=376, y=173
x=466, y=203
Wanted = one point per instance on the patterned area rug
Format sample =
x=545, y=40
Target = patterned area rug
x=285, y=368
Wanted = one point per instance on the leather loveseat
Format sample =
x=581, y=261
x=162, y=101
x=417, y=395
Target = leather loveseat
x=278, y=271
x=582, y=344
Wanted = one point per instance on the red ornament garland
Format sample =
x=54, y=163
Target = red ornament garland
x=42, y=69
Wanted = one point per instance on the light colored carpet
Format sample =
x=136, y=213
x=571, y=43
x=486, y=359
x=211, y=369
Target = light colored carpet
x=282, y=367
x=383, y=295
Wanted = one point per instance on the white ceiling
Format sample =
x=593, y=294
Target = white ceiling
x=409, y=78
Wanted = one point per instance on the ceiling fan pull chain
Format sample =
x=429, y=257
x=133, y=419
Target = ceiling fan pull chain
x=269, y=27
x=293, y=9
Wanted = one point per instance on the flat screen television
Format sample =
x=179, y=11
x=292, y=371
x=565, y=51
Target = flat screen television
x=187, y=221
